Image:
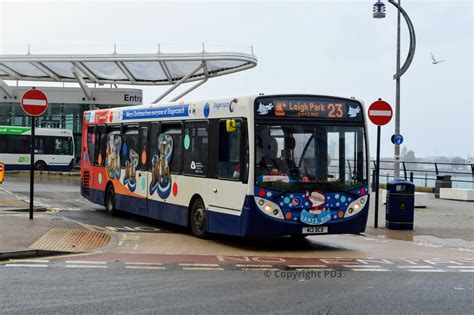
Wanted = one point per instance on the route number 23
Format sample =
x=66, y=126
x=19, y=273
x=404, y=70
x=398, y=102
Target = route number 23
x=335, y=111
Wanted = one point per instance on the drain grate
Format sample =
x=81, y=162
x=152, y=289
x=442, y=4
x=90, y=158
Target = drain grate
x=71, y=240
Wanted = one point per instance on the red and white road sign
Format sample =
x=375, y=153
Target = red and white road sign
x=34, y=102
x=380, y=113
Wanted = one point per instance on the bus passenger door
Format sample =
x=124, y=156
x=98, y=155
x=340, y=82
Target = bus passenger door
x=142, y=170
x=227, y=191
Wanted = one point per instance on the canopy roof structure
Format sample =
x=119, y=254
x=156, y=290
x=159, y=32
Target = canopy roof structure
x=129, y=69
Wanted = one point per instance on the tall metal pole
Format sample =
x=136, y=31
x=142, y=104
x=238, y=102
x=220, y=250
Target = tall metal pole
x=377, y=181
x=396, y=166
x=32, y=164
x=400, y=71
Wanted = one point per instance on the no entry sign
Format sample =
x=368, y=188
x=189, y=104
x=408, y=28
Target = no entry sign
x=380, y=113
x=34, y=102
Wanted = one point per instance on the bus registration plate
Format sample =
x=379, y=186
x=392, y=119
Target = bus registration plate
x=315, y=230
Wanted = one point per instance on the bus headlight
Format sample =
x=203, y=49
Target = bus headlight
x=356, y=206
x=269, y=208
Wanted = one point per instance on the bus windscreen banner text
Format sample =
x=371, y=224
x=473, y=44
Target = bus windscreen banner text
x=308, y=107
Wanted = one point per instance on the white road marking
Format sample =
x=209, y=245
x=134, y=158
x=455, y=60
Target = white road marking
x=143, y=263
x=199, y=265
x=259, y=269
x=254, y=266
x=362, y=266
x=461, y=267
x=370, y=270
x=466, y=270
x=412, y=267
x=86, y=266
x=86, y=262
x=27, y=265
x=145, y=267
x=202, y=268
x=307, y=266
x=427, y=270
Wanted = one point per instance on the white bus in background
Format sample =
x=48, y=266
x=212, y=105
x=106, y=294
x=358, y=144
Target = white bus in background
x=54, y=148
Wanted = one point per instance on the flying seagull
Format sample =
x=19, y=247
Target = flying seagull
x=435, y=62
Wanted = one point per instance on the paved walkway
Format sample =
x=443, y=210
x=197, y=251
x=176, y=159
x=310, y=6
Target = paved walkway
x=443, y=219
x=18, y=232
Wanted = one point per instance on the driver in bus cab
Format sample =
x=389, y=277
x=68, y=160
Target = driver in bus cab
x=266, y=157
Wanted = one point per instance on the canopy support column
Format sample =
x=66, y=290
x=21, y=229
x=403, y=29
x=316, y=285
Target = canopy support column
x=174, y=86
x=8, y=90
x=80, y=79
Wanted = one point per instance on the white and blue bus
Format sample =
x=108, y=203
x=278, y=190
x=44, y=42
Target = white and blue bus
x=54, y=148
x=254, y=166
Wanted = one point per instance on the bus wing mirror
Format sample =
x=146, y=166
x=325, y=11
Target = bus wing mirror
x=230, y=125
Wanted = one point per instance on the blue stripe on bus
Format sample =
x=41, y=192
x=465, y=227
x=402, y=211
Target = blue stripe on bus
x=252, y=222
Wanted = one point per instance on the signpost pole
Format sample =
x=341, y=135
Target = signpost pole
x=377, y=180
x=32, y=164
x=35, y=103
x=380, y=113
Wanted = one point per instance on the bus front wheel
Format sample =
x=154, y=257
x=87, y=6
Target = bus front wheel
x=40, y=166
x=110, y=200
x=199, y=219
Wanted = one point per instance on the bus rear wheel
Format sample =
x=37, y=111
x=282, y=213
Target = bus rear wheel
x=110, y=200
x=40, y=166
x=199, y=219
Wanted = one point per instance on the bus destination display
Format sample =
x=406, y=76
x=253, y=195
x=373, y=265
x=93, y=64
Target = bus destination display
x=330, y=109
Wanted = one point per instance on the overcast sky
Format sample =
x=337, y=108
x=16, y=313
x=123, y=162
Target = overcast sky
x=320, y=47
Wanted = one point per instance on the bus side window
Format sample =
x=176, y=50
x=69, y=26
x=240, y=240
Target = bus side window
x=154, y=134
x=129, y=148
x=229, y=151
x=196, y=147
x=91, y=143
x=174, y=130
x=143, y=148
x=100, y=143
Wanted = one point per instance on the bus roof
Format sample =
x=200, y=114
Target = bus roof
x=199, y=109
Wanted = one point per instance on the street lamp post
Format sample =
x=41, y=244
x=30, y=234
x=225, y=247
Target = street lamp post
x=379, y=12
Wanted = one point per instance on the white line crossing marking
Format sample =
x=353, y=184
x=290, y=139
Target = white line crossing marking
x=143, y=263
x=145, y=267
x=86, y=262
x=86, y=266
x=461, y=267
x=254, y=266
x=307, y=266
x=414, y=267
x=259, y=269
x=466, y=270
x=370, y=270
x=27, y=265
x=362, y=266
x=202, y=268
x=427, y=270
x=198, y=265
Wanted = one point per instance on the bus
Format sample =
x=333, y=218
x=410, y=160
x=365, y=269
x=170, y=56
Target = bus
x=54, y=148
x=252, y=166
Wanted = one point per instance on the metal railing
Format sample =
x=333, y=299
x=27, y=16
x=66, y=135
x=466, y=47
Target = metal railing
x=424, y=172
